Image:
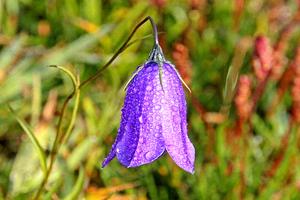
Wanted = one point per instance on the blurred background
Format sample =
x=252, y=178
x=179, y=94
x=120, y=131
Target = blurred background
x=240, y=58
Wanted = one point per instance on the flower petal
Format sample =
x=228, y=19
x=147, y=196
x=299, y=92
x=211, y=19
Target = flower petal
x=127, y=118
x=126, y=114
x=139, y=145
x=150, y=143
x=174, y=120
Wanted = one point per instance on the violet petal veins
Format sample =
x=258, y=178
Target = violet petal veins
x=154, y=117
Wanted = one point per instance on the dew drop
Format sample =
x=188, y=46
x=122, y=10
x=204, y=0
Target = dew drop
x=150, y=118
x=156, y=135
x=176, y=119
x=181, y=156
x=138, y=150
x=157, y=117
x=118, y=150
x=157, y=127
x=141, y=119
x=149, y=155
x=157, y=107
x=172, y=148
x=127, y=127
x=141, y=140
x=174, y=108
x=148, y=88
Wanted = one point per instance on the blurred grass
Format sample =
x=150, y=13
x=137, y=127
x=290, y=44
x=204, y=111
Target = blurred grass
x=83, y=35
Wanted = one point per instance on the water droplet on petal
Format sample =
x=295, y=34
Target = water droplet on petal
x=118, y=150
x=172, y=148
x=141, y=140
x=157, y=107
x=127, y=127
x=157, y=117
x=163, y=100
x=176, y=119
x=156, y=135
x=149, y=155
x=149, y=69
x=148, y=88
x=174, y=108
x=157, y=127
x=141, y=119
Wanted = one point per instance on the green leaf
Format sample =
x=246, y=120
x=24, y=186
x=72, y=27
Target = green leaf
x=78, y=186
x=32, y=138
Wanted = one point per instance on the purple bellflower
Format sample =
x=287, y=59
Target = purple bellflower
x=154, y=117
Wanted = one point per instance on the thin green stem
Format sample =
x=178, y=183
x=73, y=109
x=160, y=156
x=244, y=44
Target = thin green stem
x=122, y=48
x=72, y=122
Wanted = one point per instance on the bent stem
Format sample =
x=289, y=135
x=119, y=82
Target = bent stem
x=122, y=48
x=61, y=138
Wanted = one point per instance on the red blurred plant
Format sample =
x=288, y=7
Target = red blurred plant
x=262, y=60
x=182, y=61
x=296, y=88
x=279, y=52
x=282, y=44
x=262, y=65
x=159, y=3
x=285, y=81
x=242, y=102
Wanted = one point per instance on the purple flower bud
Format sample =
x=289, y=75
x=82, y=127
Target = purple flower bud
x=153, y=117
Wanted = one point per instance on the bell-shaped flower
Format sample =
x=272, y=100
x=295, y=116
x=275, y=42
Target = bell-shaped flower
x=154, y=117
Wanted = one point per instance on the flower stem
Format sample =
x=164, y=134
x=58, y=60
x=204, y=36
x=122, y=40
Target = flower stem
x=122, y=48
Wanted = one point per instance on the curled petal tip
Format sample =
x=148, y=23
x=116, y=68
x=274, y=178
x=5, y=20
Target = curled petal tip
x=190, y=169
x=104, y=163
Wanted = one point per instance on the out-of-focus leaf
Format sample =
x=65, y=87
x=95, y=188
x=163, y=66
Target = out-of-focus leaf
x=60, y=56
x=10, y=52
x=33, y=139
x=76, y=190
x=25, y=174
x=80, y=152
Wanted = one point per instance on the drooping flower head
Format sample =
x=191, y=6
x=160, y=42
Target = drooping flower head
x=153, y=117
